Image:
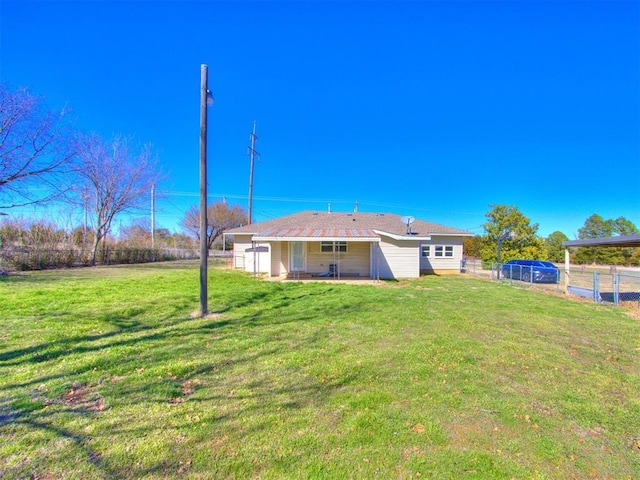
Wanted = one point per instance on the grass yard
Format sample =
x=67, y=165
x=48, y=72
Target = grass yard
x=104, y=374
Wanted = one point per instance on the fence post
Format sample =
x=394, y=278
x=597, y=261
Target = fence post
x=596, y=286
x=616, y=288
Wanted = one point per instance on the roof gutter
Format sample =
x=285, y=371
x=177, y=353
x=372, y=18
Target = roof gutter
x=257, y=238
x=402, y=237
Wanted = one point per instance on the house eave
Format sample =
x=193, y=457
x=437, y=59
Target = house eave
x=402, y=237
x=258, y=238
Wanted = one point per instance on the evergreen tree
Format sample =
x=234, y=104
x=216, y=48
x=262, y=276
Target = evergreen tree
x=597, y=227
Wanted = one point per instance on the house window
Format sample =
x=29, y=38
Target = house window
x=444, y=251
x=330, y=247
x=425, y=251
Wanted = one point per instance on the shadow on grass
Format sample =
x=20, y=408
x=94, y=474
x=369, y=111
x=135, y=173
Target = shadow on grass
x=37, y=421
x=270, y=304
x=72, y=345
x=170, y=338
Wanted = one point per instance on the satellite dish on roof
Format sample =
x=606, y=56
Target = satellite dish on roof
x=408, y=220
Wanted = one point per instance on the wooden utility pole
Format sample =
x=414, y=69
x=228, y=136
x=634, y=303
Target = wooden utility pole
x=153, y=216
x=252, y=154
x=204, y=252
x=85, y=199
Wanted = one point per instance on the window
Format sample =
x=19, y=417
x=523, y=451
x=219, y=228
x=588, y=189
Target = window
x=425, y=251
x=330, y=247
x=444, y=251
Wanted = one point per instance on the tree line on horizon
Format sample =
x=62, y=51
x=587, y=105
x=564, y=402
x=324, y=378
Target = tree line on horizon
x=521, y=241
x=44, y=159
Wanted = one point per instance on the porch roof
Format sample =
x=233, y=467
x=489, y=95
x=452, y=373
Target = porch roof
x=318, y=234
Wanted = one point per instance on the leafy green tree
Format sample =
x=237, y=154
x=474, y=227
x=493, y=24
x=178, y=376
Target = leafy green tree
x=596, y=226
x=553, y=244
x=524, y=243
x=472, y=246
x=622, y=226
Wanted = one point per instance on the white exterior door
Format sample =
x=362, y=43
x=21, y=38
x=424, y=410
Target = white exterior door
x=298, y=260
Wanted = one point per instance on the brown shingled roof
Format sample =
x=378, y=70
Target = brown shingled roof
x=338, y=224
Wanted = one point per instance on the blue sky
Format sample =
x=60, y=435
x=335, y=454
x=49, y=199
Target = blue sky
x=436, y=109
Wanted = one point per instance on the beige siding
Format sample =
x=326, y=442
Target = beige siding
x=399, y=258
x=355, y=261
x=391, y=258
x=442, y=264
x=284, y=259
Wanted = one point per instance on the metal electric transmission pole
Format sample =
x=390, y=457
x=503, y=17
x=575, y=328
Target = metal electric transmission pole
x=252, y=155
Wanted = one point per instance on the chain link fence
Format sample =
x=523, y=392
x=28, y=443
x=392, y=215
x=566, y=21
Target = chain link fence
x=22, y=259
x=527, y=276
x=602, y=287
x=611, y=285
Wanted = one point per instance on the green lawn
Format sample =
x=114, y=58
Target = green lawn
x=104, y=373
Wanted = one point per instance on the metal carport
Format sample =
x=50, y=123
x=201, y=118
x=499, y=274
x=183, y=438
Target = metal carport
x=617, y=241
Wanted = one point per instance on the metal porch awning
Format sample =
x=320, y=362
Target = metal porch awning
x=617, y=241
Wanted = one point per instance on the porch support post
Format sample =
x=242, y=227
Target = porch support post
x=567, y=268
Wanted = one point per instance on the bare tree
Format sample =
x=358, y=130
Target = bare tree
x=220, y=217
x=137, y=233
x=44, y=235
x=13, y=231
x=115, y=178
x=35, y=147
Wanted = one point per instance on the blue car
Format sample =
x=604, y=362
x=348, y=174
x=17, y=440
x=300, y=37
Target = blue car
x=531, y=271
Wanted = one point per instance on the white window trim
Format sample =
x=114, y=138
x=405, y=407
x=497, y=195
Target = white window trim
x=443, y=251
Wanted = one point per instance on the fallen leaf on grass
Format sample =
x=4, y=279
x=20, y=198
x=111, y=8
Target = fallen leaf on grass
x=418, y=428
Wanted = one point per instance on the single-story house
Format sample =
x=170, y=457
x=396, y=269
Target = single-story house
x=332, y=244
